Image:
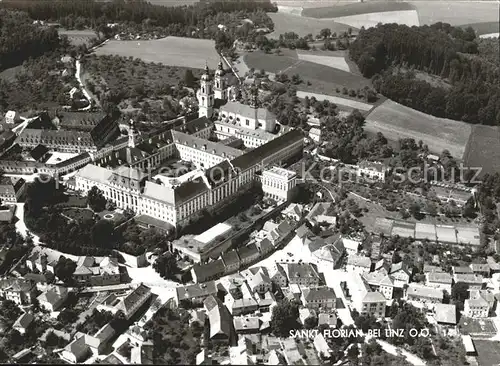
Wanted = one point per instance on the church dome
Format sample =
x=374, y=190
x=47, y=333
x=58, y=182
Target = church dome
x=206, y=74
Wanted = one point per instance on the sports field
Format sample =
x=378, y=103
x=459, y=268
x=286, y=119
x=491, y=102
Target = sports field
x=483, y=149
x=396, y=121
x=172, y=51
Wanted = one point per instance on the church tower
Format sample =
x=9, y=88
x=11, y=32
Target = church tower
x=132, y=134
x=220, y=88
x=205, y=96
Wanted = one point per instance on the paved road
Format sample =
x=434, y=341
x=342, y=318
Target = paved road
x=20, y=224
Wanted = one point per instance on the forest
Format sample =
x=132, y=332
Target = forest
x=448, y=52
x=21, y=40
x=90, y=13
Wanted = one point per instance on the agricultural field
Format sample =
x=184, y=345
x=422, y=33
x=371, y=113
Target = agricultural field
x=171, y=51
x=78, y=37
x=356, y=9
x=396, y=121
x=286, y=22
x=484, y=28
x=323, y=79
x=456, y=12
x=367, y=14
x=351, y=103
x=483, y=149
x=335, y=59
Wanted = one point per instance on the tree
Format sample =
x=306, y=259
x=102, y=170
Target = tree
x=166, y=266
x=460, y=291
x=311, y=322
x=103, y=234
x=325, y=33
x=67, y=316
x=284, y=318
x=64, y=269
x=189, y=79
x=96, y=200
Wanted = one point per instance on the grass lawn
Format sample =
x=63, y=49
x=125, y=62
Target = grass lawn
x=355, y=9
x=323, y=79
x=79, y=214
x=9, y=74
x=396, y=121
x=285, y=22
x=483, y=149
x=172, y=51
x=351, y=103
x=488, y=352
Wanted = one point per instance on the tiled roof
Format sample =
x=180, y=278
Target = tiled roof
x=258, y=155
x=247, y=251
x=319, y=294
x=24, y=320
x=205, y=145
x=230, y=258
x=195, y=125
x=196, y=290
x=440, y=277
x=247, y=111
x=208, y=270
x=424, y=291
x=134, y=297
x=445, y=313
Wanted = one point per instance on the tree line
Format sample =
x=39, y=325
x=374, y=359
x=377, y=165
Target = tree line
x=448, y=52
x=92, y=13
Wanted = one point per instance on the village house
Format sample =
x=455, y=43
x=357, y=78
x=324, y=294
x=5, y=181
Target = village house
x=11, y=189
x=358, y=263
x=372, y=170
x=208, y=272
x=365, y=301
x=400, y=273
x=246, y=325
x=129, y=304
x=481, y=295
x=461, y=270
x=445, y=314
x=380, y=281
x=319, y=298
x=23, y=322
x=248, y=254
x=482, y=269
x=260, y=282
x=328, y=319
x=20, y=291
x=221, y=322
x=241, y=306
x=303, y=274
x=476, y=308
x=424, y=294
x=441, y=280
x=474, y=281
x=53, y=298
x=321, y=346
x=278, y=275
x=293, y=211
x=77, y=351
x=231, y=261
x=196, y=293
x=104, y=272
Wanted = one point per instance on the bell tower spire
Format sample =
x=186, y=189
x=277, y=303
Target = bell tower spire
x=205, y=95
